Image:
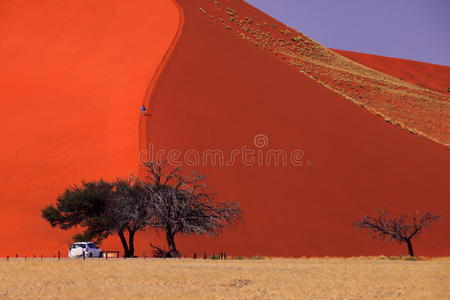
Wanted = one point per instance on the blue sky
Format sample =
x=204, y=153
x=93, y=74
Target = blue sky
x=410, y=29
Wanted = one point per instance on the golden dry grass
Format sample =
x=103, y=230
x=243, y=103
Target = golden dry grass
x=326, y=278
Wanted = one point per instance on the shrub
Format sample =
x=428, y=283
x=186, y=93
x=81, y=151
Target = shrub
x=412, y=131
x=231, y=11
x=285, y=32
x=256, y=257
x=411, y=258
x=214, y=256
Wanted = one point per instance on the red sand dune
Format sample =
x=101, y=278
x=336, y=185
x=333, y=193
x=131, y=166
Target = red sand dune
x=218, y=91
x=72, y=78
x=434, y=77
x=422, y=111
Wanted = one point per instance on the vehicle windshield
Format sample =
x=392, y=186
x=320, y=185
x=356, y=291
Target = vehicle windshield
x=92, y=245
x=79, y=246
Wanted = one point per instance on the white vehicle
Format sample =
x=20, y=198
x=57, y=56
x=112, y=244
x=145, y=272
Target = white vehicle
x=88, y=248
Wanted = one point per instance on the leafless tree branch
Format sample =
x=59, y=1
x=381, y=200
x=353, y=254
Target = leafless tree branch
x=182, y=204
x=399, y=229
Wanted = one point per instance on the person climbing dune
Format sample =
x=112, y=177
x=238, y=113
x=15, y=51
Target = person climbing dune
x=143, y=109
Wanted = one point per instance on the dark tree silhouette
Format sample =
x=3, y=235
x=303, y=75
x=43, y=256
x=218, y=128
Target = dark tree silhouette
x=83, y=206
x=170, y=202
x=183, y=205
x=101, y=208
x=401, y=229
x=128, y=210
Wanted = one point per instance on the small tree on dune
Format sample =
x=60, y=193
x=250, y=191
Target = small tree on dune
x=401, y=229
x=183, y=205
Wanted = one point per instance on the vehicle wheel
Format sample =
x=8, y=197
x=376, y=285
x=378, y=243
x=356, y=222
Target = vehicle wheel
x=100, y=255
x=90, y=254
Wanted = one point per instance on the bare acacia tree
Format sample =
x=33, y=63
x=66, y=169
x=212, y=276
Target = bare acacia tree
x=401, y=229
x=129, y=210
x=183, y=205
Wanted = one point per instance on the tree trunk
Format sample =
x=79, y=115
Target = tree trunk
x=126, y=250
x=131, y=242
x=410, y=248
x=171, y=244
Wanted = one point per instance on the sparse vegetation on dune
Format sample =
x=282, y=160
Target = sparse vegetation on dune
x=331, y=278
x=417, y=109
x=166, y=201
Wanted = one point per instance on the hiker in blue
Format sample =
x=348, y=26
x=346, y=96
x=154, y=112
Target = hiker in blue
x=143, y=109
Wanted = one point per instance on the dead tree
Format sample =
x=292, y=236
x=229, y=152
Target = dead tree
x=182, y=204
x=401, y=229
x=129, y=210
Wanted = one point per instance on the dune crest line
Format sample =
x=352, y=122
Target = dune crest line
x=143, y=138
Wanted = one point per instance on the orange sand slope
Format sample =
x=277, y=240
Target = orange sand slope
x=434, y=77
x=218, y=91
x=416, y=109
x=72, y=78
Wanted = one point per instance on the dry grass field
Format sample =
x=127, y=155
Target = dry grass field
x=326, y=278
